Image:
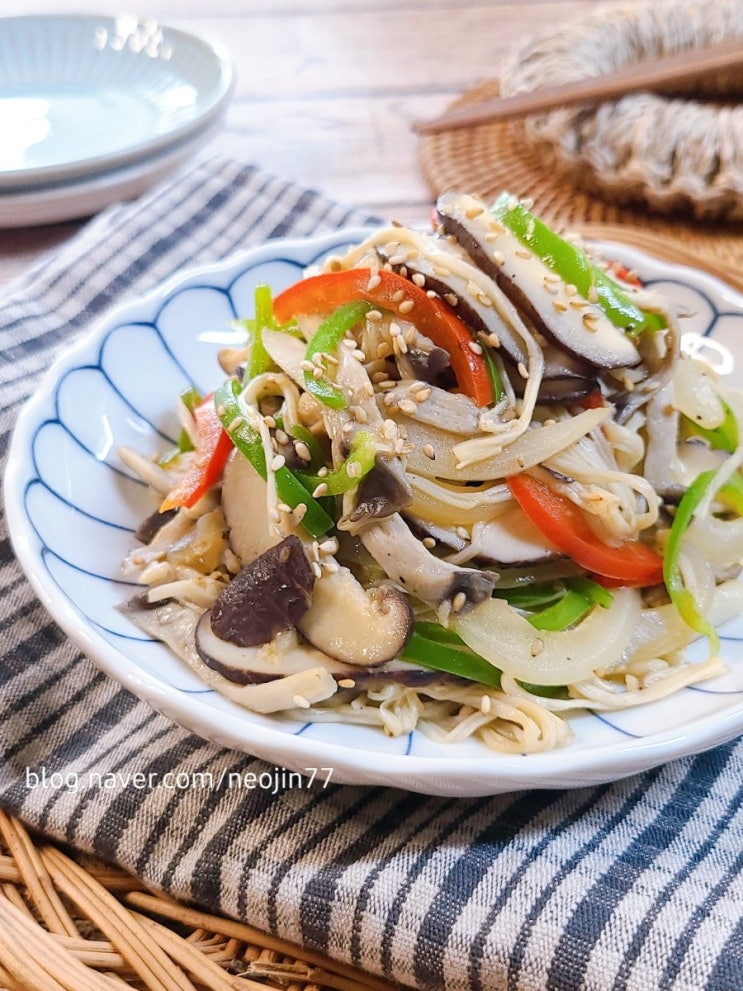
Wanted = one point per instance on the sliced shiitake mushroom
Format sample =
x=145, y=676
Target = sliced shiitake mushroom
x=245, y=509
x=583, y=329
x=355, y=626
x=269, y=595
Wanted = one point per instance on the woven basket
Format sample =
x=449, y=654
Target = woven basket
x=704, y=231
x=680, y=152
x=69, y=923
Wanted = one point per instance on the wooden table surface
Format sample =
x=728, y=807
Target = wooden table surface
x=327, y=90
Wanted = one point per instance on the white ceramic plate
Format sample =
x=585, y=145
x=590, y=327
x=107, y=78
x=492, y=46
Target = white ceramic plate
x=72, y=508
x=84, y=94
x=83, y=197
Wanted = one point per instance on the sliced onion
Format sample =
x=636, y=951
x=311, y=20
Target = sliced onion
x=696, y=393
x=441, y=503
x=502, y=636
x=720, y=540
x=662, y=630
x=531, y=448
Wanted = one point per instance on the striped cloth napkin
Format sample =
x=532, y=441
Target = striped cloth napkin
x=636, y=885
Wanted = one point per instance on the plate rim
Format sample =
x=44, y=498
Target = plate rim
x=34, y=178
x=465, y=775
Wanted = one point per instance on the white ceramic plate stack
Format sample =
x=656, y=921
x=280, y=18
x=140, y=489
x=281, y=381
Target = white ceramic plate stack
x=95, y=109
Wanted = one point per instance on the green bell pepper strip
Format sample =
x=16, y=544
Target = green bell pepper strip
x=325, y=340
x=495, y=375
x=681, y=597
x=446, y=652
x=561, y=615
x=573, y=265
x=259, y=360
x=596, y=594
x=721, y=438
x=362, y=453
x=247, y=440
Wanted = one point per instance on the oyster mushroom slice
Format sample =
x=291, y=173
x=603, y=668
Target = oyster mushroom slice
x=509, y=540
x=356, y=626
x=574, y=323
x=408, y=563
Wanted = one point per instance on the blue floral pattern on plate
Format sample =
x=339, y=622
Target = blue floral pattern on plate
x=73, y=507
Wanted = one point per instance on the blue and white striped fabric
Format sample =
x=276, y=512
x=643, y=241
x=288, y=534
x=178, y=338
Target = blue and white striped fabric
x=633, y=886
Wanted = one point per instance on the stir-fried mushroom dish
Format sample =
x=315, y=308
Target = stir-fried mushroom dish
x=464, y=481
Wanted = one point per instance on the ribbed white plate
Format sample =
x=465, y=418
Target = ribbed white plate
x=85, y=95
x=72, y=507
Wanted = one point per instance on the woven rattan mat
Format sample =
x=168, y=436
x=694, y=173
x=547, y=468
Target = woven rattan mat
x=72, y=923
x=490, y=158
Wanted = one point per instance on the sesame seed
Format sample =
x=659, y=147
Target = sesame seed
x=522, y=370
x=329, y=546
x=537, y=646
x=459, y=602
x=471, y=213
x=422, y=393
x=474, y=347
x=406, y=306
x=590, y=321
x=269, y=421
x=321, y=490
x=374, y=315
x=346, y=683
x=407, y=406
x=429, y=542
x=353, y=469
x=571, y=290
x=429, y=452
x=451, y=299
x=522, y=253
x=560, y=305
x=322, y=472
x=300, y=702
x=299, y=511
x=418, y=279
x=283, y=507
x=236, y=423
x=485, y=704
x=302, y=450
x=373, y=282
x=592, y=295
x=462, y=532
x=278, y=462
x=579, y=304
x=441, y=270
x=282, y=437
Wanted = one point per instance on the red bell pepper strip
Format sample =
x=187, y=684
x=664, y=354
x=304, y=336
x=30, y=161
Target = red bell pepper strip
x=321, y=294
x=566, y=526
x=212, y=450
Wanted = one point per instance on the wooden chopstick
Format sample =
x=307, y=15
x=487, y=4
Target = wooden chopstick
x=661, y=73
